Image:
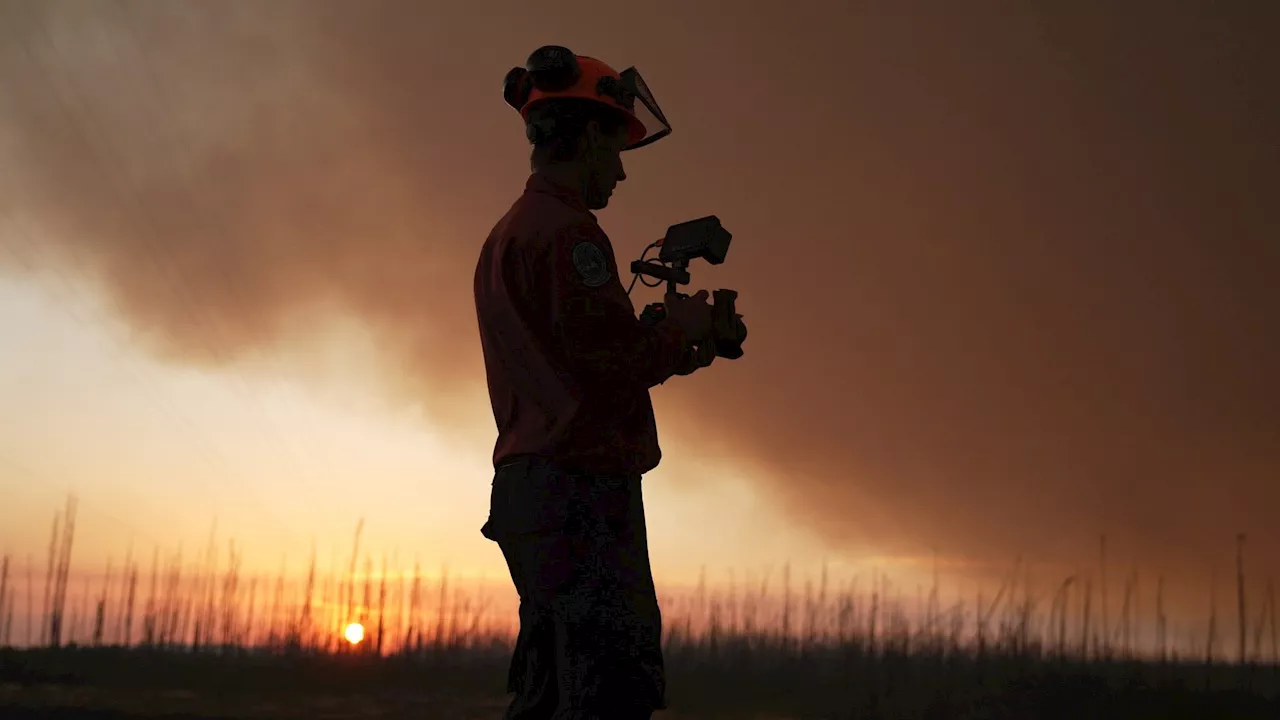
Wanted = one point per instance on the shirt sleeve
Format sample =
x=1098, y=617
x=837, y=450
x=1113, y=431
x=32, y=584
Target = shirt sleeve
x=603, y=341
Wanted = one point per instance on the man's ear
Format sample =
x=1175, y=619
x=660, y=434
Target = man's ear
x=592, y=138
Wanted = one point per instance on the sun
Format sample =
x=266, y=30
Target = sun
x=354, y=633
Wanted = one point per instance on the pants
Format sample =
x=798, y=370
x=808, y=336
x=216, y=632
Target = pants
x=589, y=646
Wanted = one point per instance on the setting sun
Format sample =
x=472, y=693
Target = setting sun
x=354, y=633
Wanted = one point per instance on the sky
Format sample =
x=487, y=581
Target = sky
x=1008, y=268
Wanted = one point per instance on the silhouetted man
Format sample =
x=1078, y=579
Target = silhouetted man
x=569, y=371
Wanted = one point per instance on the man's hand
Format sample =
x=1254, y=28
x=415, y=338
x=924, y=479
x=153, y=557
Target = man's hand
x=692, y=314
x=697, y=357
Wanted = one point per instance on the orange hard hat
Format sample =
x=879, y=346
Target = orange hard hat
x=556, y=72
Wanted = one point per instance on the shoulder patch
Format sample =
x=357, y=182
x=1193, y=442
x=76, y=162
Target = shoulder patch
x=589, y=261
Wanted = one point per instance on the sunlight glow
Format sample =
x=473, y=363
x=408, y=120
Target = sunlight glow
x=354, y=633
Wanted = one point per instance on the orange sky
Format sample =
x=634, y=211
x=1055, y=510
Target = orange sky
x=1009, y=272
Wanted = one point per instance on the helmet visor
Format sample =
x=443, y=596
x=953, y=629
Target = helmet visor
x=637, y=98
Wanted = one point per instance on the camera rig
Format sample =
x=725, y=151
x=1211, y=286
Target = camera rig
x=706, y=239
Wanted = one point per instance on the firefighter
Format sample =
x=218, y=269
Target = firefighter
x=569, y=368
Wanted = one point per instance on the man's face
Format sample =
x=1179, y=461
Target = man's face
x=602, y=153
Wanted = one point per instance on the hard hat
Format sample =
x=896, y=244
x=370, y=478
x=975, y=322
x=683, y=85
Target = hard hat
x=556, y=72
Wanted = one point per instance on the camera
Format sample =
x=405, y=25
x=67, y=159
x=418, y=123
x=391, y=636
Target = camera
x=705, y=239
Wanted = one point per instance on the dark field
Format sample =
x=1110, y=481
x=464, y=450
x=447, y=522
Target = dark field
x=204, y=641
x=728, y=680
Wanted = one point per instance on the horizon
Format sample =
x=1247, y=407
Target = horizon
x=1149, y=629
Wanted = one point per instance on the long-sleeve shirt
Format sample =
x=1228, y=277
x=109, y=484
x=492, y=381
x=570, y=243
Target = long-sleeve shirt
x=569, y=365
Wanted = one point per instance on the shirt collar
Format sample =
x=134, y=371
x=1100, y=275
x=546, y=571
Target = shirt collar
x=540, y=183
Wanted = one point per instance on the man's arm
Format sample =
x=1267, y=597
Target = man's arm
x=600, y=335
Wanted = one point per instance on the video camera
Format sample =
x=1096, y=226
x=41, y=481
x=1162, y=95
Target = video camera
x=704, y=238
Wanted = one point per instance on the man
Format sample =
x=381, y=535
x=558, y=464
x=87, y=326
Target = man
x=569, y=370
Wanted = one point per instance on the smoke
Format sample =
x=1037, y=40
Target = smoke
x=1010, y=278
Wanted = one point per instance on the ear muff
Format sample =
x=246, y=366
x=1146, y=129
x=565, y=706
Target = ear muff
x=539, y=130
x=550, y=69
x=553, y=68
x=516, y=87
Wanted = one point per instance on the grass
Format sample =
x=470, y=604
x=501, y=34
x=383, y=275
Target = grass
x=171, y=635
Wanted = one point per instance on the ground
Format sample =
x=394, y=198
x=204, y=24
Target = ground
x=461, y=685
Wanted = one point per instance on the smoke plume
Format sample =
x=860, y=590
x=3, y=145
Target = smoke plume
x=1011, y=275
